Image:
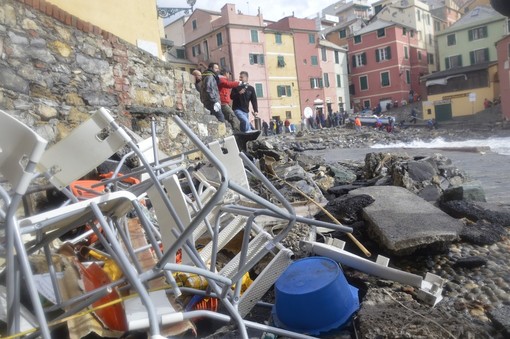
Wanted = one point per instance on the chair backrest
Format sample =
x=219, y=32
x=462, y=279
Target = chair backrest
x=18, y=145
x=85, y=148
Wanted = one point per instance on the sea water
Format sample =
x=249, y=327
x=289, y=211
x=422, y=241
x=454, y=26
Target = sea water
x=500, y=145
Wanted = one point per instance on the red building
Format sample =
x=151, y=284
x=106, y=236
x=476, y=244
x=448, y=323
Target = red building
x=385, y=65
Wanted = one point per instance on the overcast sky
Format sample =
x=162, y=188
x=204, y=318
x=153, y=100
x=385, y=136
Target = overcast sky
x=270, y=9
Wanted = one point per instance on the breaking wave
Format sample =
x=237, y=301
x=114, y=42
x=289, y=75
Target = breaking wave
x=500, y=145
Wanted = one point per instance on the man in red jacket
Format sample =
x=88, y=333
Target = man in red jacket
x=225, y=86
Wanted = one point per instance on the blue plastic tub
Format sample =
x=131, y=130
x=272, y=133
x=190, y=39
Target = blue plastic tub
x=312, y=296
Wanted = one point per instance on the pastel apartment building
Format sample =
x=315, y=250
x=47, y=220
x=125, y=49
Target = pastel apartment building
x=309, y=72
x=283, y=88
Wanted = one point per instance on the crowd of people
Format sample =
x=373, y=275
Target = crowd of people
x=228, y=100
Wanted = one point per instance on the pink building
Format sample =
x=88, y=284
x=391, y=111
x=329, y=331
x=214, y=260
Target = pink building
x=233, y=40
x=385, y=65
x=503, y=49
x=309, y=72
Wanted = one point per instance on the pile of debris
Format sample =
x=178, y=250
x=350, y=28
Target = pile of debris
x=140, y=242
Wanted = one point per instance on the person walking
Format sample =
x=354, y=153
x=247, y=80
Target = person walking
x=241, y=97
x=210, y=93
x=357, y=124
x=265, y=127
x=225, y=87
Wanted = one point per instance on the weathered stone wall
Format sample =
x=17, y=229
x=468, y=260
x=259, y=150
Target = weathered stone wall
x=55, y=70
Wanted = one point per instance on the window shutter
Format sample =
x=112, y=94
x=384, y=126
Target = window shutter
x=485, y=31
x=312, y=83
x=470, y=35
x=251, y=59
x=377, y=55
x=261, y=58
x=486, y=52
x=279, y=91
x=460, y=60
x=472, y=57
x=288, y=91
x=353, y=61
x=388, y=52
x=364, y=58
x=447, y=63
x=321, y=84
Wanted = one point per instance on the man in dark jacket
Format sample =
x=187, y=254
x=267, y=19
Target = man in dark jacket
x=210, y=94
x=241, y=98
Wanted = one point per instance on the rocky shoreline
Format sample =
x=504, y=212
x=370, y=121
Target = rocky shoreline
x=476, y=295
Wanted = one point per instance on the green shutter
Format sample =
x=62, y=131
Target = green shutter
x=472, y=57
x=447, y=63
x=251, y=59
x=261, y=59
x=486, y=53
x=485, y=31
x=353, y=61
x=364, y=58
x=470, y=35
x=460, y=60
x=388, y=52
x=287, y=89
x=377, y=55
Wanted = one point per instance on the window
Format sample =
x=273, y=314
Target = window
x=357, y=39
x=383, y=54
x=406, y=52
x=337, y=57
x=254, y=35
x=477, y=33
x=181, y=54
x=281, y=61
x=283, y=91
x=419, y=55
x=408, y=76
x=430, y=38
x=194, y=24
x=418, y=15
x=278, y=38
x=311, y=38
x=385, y=79
x=479, y=56
x=363, y=82
x=453, y=61
x=342, y=33
x=381, y=32
x=430, y=58
x=314, y=60
x=404, y=31
x=411, y=33
x=195, y=50
x=338, y=80
x=316, y=83
x=258, y=91
x=223, y=63
x=326, y=80
x=451, y=40
x=256, y=59
x=288, y=114
x=219, y=39
x=437, y=26
x=323, y=54
x=366, y=103
x=359, y=60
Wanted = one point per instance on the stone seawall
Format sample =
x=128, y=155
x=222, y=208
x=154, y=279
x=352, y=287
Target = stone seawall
x=55, y=70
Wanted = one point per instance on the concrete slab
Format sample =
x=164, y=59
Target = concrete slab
x=402, y=222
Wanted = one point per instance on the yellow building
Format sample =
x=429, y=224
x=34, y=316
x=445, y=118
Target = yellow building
x=460, y=91
x=134, y=21
x=282, y=77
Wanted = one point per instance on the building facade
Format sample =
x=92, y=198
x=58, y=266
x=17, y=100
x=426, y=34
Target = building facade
x=472, y=39
x=385, y=65
x=503, y=49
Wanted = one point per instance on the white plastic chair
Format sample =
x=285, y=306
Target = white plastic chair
x=20, y=151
